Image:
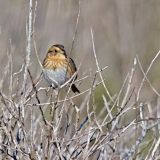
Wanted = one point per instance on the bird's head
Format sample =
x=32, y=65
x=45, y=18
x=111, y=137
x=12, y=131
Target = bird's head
x=57, y=50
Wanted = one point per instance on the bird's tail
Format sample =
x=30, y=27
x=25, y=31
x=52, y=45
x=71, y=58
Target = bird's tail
x=75, y=89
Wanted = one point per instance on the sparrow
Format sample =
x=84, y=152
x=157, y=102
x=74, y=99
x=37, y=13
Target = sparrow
x=58, y=68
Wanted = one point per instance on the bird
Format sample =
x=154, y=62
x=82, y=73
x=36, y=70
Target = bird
x=58, y=68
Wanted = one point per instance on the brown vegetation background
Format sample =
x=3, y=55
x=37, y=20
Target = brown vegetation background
x=125, y=31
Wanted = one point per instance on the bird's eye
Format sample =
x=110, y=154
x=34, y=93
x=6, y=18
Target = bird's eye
x=55, y=51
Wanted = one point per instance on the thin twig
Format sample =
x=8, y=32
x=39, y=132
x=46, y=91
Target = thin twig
x=97, y=64
x=141, y=85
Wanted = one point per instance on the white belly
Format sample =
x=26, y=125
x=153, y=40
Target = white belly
x=55, y=77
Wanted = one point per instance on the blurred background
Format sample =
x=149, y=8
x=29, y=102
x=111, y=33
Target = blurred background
x=122, y=29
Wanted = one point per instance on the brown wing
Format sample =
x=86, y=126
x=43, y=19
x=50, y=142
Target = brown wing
x=73, y=70
x=72, y=67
